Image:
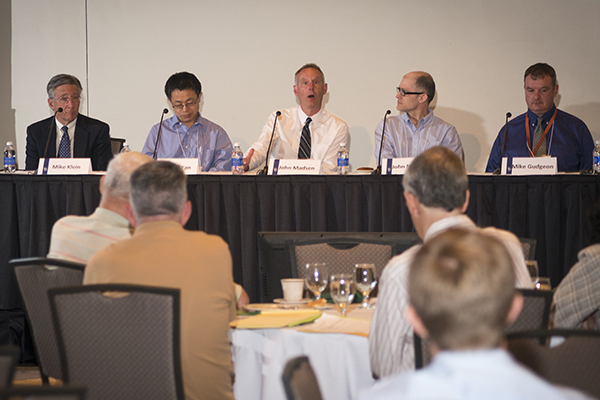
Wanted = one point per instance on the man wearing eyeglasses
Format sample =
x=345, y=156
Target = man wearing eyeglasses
x=72, y=135
x=417, y=129
x=187, y=134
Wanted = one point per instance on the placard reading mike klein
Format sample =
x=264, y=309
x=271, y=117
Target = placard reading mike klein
x=64, y=166
x=395, y=166
x=189, y=166
x=528, y=166
x=294, y=167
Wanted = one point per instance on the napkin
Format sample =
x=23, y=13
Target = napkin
x=276, y=319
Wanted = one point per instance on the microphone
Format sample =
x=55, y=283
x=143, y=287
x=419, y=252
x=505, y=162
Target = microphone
x=265, y=170
x=52, y=126
x=378, y=169
x=162, y=115
x=508, y=115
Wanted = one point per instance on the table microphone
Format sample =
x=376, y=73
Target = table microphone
x=164, y=111
x=265, y=170
x=52, y=125
x=508, y=115
x=378, y=169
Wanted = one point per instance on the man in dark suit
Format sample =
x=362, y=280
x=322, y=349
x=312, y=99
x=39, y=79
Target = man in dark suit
x=72, y=135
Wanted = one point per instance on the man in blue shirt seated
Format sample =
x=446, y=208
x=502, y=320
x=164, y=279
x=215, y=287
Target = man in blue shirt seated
x=544, y=130
x=462, y=295
x=411, y=133
x=187, y=134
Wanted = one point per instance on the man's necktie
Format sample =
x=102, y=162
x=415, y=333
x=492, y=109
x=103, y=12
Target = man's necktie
x=537, y=134
x=304, y=149
x=64, y=148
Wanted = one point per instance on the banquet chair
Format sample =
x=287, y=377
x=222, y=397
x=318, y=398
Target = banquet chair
x=529, y=246
x=116, y=145
x=9, y=355
x=299, y=380
x=573, y=363
x=124, y=344
x=34, y=277
x=43, y=393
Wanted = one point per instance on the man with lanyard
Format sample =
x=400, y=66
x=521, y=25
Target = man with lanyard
x=187, y=134
x=544, y=130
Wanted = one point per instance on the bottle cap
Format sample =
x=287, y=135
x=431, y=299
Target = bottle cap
x=342, y=144
x=236, y=145
x=9, y=143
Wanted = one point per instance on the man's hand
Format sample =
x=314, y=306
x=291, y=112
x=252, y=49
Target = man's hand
x=246, y=160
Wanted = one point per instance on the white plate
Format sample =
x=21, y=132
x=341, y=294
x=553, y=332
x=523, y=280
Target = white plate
x=262, y=307
x=292, y=303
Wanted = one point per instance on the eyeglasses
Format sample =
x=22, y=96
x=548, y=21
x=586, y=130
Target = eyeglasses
x=65, y=99
x=189, y=104
x=403, y=92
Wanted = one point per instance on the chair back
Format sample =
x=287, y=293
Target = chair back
x=43, y=393
x=529, y=246
x=300, y=381
x=116, y=145
x=34, y=277
x=573, y=363
x=422, y=351
x=124, y=344
x=535, y=312
x=9, y=356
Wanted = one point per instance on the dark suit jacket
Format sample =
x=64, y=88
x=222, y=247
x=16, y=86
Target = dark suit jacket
x=92, y=140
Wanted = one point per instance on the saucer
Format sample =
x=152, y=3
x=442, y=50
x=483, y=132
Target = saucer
x=292, y=303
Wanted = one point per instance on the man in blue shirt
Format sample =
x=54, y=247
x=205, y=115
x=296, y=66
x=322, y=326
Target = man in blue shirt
x=544, y=130
x=187, y=134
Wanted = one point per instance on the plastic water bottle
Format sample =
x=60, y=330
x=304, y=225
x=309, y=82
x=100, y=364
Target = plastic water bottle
x=10, y=158
x=125, y=148
x=595, y=155
x=237, y=160
x=342, y=160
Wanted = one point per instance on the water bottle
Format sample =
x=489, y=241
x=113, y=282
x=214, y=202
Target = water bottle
x=10, y=160
x=237, y=160
x=342, y=160
x=125, y=148
x=595, y=155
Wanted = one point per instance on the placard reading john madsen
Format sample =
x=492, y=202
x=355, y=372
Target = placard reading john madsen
x=294, y=167
x=395, y=166
x=528, y=166
x=64, y=166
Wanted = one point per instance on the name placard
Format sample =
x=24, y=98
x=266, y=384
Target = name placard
x=395, y=166
x=189, y=166
x=64, y=166
x=294, y=167
x=528, y=166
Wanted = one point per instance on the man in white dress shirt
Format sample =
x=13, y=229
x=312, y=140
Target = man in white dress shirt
x=307, y=131
x=417, y=129
x=436, y=190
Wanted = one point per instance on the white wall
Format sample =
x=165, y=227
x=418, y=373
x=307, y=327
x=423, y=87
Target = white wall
x=246, y=52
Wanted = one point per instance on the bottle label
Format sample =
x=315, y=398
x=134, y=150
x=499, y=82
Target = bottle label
x=596, y=160
x=237, y=162
x=9, y=161
x=342, y=162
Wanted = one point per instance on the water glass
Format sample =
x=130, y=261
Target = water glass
x=365, y=281
x=341, y=288
x=315, y=276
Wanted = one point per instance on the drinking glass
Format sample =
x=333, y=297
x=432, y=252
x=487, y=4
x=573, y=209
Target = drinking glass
x=315, y=276
x=365, y=281
x=532, y=267
x=341, y=287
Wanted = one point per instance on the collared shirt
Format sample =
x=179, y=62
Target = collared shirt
x=578, y=294
x=204, y=140
x=404, y=139
x=391, y=344
x=77, y=238
x=569, y=140
x=327, y=132
x=59, y=134
x=476, y=374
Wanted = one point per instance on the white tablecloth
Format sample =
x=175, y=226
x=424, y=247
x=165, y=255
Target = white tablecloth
x=340, y=362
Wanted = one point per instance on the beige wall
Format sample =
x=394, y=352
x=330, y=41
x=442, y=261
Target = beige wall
x=7, y=115
x=245, y=54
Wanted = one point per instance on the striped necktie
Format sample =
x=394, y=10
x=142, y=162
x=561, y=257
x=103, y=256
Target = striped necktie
x=304, y=149
x=64, y=148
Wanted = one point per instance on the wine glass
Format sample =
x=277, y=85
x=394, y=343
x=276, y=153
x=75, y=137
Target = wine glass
x=341, y=287
x=532, y=267
x=365, y=281
x=315, y=276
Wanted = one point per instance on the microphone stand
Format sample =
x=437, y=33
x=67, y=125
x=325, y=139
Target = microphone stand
x=377, y=170
x=164, y=111
x=497, y=170
x=265, y=170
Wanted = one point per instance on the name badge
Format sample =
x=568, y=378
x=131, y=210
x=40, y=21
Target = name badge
x=395, y=166
x=64, y=166
x=189, y=166
x=528, y=166
x=294, y=167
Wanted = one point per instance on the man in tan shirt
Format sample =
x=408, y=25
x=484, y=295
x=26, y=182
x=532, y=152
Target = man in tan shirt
x=162, y=253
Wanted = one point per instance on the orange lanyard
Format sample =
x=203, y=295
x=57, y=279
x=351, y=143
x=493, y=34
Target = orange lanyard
x=539, y=143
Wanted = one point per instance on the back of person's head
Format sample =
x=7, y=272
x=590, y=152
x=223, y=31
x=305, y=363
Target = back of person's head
x=541, y=70
x=424, y=82
x=59, y=80
x=182, y=81
x=592, y=224
x=118, y=173
x=461, y=285
x=157, y=188
x=437, y=178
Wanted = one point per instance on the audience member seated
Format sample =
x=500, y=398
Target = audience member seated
x=162, y=253
x=436, y=190
x=577, y=297
x=462, y=296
